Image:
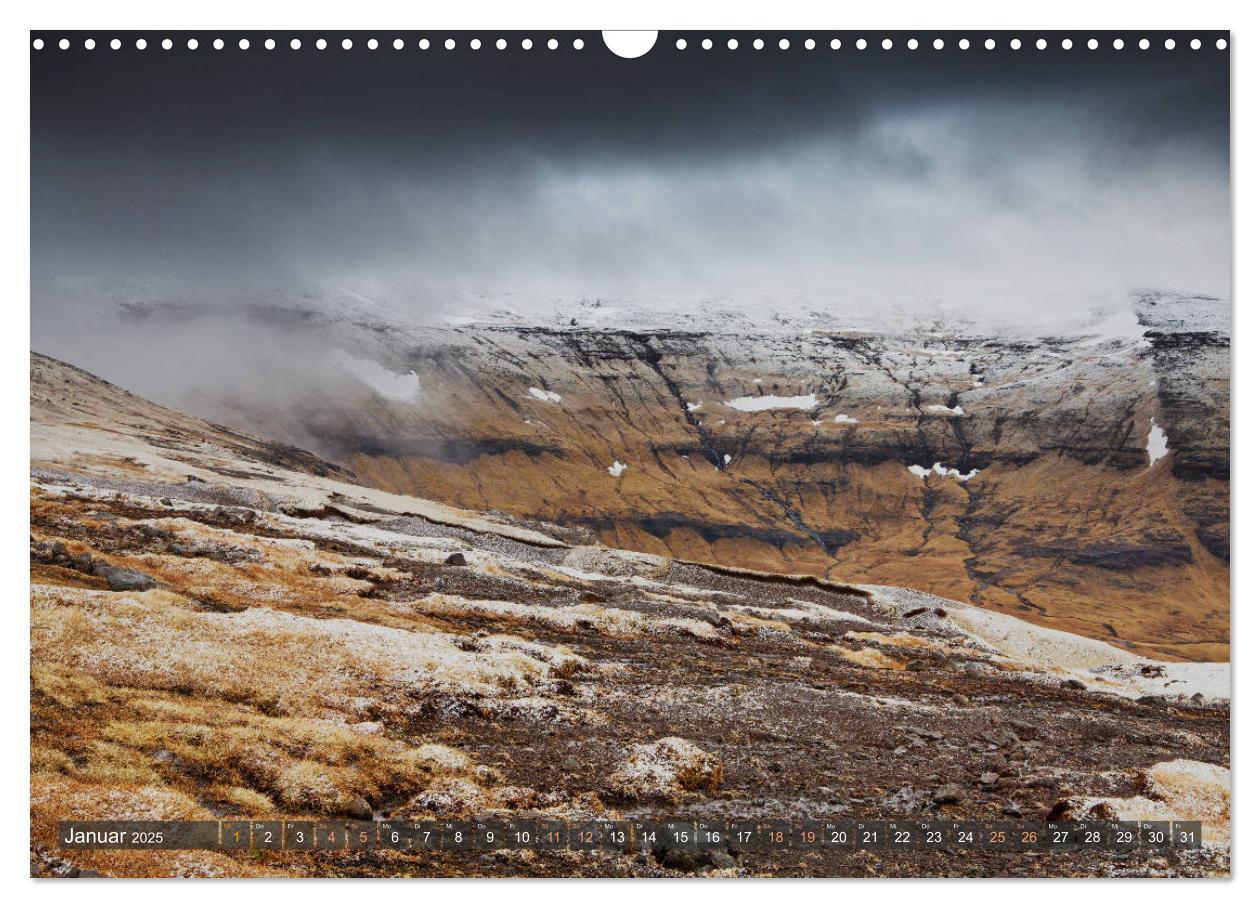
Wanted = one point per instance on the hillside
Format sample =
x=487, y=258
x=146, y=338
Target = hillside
x=226, y=627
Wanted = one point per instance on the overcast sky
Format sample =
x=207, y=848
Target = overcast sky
x=979, y=180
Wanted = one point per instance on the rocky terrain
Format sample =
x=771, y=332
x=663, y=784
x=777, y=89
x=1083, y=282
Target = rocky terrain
x=227, y=627
x=1078, y=480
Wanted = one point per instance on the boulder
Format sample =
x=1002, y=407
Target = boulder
x=123, y=580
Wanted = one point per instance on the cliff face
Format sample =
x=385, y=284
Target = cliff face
x=1079, y=481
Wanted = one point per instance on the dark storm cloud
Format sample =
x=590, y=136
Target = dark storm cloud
x=435, y=177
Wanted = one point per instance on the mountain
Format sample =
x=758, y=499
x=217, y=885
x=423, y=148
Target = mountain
x=1079, y=480
x=223, y=626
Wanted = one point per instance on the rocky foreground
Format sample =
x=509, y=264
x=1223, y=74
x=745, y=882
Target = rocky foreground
x=223, y=627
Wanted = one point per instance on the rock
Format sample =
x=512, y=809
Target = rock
x=359, y=808
x=959, y=699
x=1013, y=810
x=1152, y=700
x=988, y=778
x=123, y=580
x=693, y=861
x=665, y=770
x=948, y=794
x=456, y=559
x=615, y=562
x=1072, y=684
x=917, y=665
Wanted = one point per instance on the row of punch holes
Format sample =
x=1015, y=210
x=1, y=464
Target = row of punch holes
x=705, y=44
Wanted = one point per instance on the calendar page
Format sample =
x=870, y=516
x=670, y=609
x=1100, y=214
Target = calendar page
x=720, y=454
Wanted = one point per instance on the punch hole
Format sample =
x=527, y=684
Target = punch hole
x=633, y=44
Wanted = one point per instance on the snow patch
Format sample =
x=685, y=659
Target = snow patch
x=955, y=410
x=844, y=419
x=756, y=403
x=389, y=385
x=1156, y=443
x=1122, y=324
x=616, y=469
x=550, y=397
x=941, y=470
x=692, y=408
